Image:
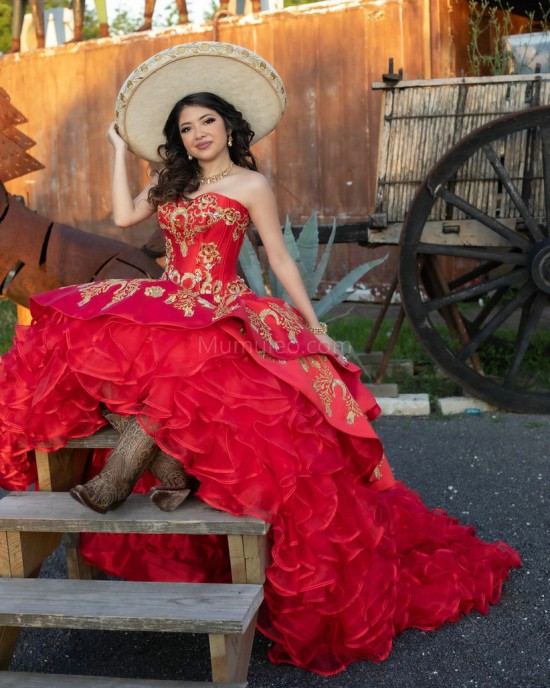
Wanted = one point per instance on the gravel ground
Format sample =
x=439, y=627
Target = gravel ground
x=490, y=471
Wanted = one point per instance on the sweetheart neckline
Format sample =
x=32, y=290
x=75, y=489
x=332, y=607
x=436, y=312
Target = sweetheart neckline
x=216, y=193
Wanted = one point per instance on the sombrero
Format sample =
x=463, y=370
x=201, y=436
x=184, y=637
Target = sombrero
x=236, y=74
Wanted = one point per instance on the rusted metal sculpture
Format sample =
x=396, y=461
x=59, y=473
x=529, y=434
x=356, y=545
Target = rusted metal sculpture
x=14, y=159
x=37, y=254
x=18, y=14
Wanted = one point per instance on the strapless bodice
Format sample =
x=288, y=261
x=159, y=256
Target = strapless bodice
x=203, y=240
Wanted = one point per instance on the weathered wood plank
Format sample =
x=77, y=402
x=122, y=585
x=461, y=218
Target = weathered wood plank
x=106, y=438
x=448, y=233
x=230, y=655
x=23, y=553
x=236, y=555
x=432, y=116
x=76, y=566
x=61, y=469
x=456, y=81
x=17, y=679
x=248, y=555
x=129, y=605
x=58, y=512
x=8, y=641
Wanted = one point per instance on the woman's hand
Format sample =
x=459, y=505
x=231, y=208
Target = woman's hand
x=333, y=347
x=115, y=139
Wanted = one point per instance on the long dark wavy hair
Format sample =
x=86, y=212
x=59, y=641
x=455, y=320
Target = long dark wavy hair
x=180, y=175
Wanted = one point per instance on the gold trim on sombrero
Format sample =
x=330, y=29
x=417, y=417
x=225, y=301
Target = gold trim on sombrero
x=232, y=72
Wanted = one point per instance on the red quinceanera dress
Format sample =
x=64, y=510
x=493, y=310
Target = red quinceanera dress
x=243, y=395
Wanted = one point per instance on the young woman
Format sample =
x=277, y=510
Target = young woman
x=247, y=396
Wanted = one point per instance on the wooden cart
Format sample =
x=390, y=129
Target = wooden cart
x=464, y=189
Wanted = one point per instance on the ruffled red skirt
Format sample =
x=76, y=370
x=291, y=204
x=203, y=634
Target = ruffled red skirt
x=352, y=564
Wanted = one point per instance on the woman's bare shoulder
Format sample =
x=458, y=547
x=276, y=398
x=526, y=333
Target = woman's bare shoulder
x=245, y=186
x=249, y=185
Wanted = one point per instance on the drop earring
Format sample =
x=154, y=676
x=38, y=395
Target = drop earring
x=230, y=140
x=189, y=156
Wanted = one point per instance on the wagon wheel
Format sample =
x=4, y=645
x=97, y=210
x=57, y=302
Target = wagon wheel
x=475, y=282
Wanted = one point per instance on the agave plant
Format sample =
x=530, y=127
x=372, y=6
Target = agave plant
x=304, y=250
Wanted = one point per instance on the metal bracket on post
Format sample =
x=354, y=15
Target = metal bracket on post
x=392, y=77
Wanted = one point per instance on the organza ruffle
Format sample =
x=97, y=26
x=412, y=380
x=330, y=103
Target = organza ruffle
x=351, y=565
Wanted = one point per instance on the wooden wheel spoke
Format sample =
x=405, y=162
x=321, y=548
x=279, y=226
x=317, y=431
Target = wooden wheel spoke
x=488, y=308
x=509, y=280
x=478, y=271
x=530, y=317
x=545, y=138
x=479, y=252
x=513, y=192
x=475, y=342
x=480, y=216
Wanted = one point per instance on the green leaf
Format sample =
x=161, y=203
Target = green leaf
x=339, y=292
x=294, y=249
x=322, y=266
x=252, y=268
x=308, y=245
x=275, y=286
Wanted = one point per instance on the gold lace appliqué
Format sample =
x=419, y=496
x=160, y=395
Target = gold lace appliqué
x=125, y=289
x=259, y=325
x=155, y=292
x=325, y=383
x=288, y=320
x=225, y=296
x=283, y=315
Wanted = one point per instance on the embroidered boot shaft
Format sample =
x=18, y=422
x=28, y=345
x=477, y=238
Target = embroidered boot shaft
x=127, y=462
x=175, y=484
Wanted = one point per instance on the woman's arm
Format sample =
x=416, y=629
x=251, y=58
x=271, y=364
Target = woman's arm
x=127, y=211
x=263, y=212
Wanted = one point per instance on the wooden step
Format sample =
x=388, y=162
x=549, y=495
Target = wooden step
x=128, y=605
x=106, y=438
x=20, y=679
x=57, y=512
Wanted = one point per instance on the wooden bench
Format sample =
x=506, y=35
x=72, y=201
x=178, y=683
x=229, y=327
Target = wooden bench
x=32, y=525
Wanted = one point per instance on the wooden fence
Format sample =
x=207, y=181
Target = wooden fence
x=323, y=156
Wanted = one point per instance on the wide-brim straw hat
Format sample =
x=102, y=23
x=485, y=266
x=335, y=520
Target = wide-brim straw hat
x=236, y=74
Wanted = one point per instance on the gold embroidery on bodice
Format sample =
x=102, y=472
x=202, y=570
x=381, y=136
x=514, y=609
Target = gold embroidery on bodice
x=184, y=221
x=201, y=276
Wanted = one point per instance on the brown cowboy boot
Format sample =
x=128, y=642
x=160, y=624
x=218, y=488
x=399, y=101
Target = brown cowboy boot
x=175, y=484
x=119, y=423
x=126, y=464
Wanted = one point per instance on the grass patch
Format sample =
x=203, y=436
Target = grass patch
x=427, y=379
x=357, y=330
x=495, y=356
x=8, y=318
